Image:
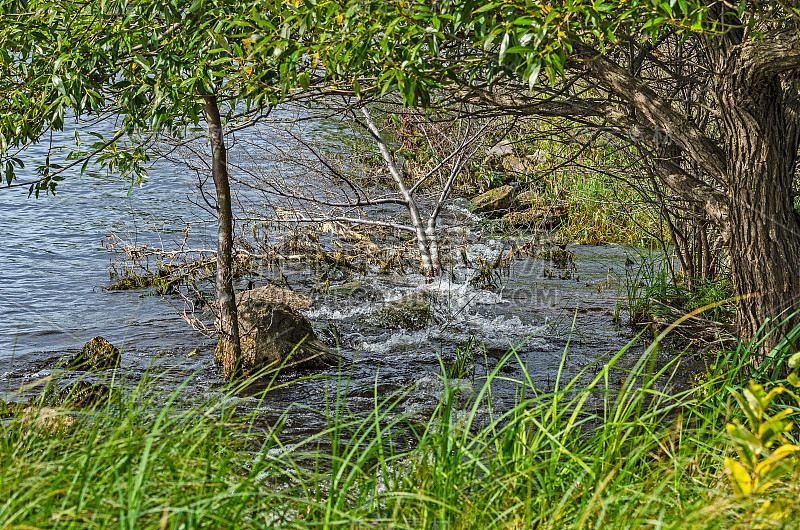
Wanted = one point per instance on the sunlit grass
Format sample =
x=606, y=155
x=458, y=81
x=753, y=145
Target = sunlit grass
x=587, y=455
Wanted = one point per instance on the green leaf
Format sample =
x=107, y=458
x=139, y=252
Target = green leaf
x=504, y=47
x=59, y=85
x=487, y=7
x=794, y=360
x=534, y=74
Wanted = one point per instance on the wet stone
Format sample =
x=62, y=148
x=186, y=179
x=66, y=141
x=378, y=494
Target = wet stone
x=366, y=293
x=494, y=201
x=76, y=395
x=270, y=332
x=327, y=333
x=411, y=314
x=98, y=354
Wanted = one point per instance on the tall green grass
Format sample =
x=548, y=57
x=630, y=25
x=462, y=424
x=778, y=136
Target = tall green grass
x=592, y=453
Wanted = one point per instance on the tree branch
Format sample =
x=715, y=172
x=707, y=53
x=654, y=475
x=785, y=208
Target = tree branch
x=681, y=130
x=769, y=56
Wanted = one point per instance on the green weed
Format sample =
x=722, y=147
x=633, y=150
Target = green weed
x=595, y=452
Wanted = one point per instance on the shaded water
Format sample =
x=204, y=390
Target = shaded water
x=54, y=267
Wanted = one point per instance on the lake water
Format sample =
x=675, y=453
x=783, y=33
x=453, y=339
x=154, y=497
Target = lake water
x=55, y=268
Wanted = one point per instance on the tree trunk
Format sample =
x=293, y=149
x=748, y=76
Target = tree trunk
x=761, y=141
x=433, y=246
x=430, y=266
x=230, y=352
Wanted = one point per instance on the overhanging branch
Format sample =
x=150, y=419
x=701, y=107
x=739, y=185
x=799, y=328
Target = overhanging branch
x=700, y=148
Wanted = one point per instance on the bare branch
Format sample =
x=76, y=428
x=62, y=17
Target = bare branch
x=700, y=148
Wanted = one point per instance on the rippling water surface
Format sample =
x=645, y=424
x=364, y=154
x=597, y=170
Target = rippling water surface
x=54, y=268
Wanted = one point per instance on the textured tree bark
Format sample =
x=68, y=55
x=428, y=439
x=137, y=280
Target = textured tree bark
x=230, y=351
x=737, y=158
x=761, y=140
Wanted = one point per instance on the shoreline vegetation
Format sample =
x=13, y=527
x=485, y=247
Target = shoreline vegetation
x=649, y=453
x=718, y=452
x=716, y=455
x=670, y=127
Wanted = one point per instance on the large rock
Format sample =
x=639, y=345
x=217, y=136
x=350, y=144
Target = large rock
x=495, y=201
x=96, y=355
x=549, y=217
x=270, y=330
x=412, y=313
x=276, y=295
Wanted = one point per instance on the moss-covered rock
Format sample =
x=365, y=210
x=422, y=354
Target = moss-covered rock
x=538, y=217
x=270, y=332
x=47, y=421
x=96, y=355
x=77, y=395
x=270, y=294
x=409, y=313
x=528, y=199
x=8, y=409
x=495, y=201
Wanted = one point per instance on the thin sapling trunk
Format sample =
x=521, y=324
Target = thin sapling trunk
x=229, y=352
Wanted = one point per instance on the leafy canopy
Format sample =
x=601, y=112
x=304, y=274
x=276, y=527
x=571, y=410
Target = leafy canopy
x=141, y=63
x=145, y=63
x=414, y=46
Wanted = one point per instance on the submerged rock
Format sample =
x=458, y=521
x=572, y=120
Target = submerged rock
x=430, y=391
x=76, y=395
x=270, y=332
x=98, y=354
x=495, y=200
x=410, y=313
